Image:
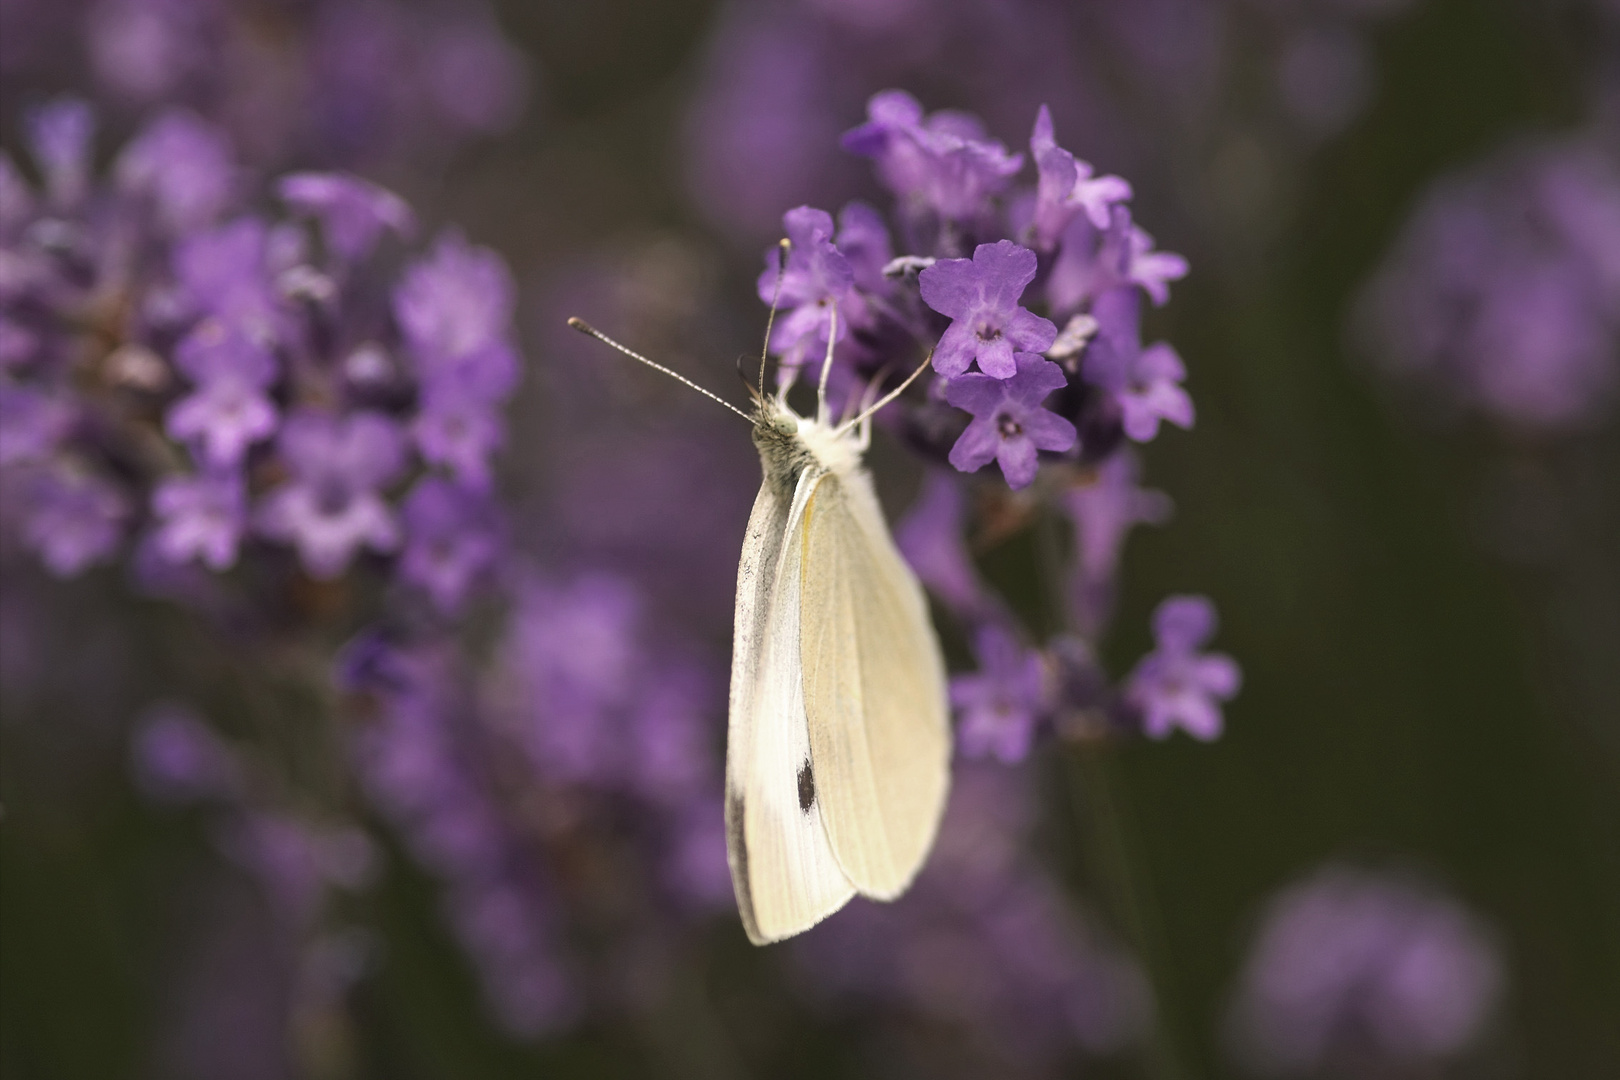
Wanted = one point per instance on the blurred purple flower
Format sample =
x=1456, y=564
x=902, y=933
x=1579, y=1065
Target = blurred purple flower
x=981, y=297
x=1500, y=293
x=224, y=273
x=1145, y=383
x=201, y=517
x=454, y=304
x=330, y=507
x=930, y=537
x=353, y=213
x=73, y=519
x=863, y=239
x=32, y=423
x=1103, y=512
x=229, y=411
x=945, y=160
x=1009, y=425
x=177, y=758
x=459, y=428
x=999, y=706
x=1176, y=685
x=574, y=647
x=451, y=540
x=61, y=134
x=1365, y=971
x=184, y=166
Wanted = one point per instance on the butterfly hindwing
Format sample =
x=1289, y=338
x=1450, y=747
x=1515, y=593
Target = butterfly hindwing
x=874, y=689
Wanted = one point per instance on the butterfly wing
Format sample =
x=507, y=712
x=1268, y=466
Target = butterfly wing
x=782, y=867
x=874, y=689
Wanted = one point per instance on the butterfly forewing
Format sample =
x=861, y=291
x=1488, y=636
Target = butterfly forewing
x=782, y=867
x=874, y=689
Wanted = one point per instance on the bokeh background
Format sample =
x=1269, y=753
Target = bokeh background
x=1416, y=559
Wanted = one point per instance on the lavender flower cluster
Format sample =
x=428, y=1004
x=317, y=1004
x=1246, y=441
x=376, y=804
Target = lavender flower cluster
x=1357, y=973
x=980, y=259
x=290, y=81
x=215, y=388
x=1502, y=295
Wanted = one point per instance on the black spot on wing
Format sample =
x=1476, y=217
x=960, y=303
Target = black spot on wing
x=807, y=787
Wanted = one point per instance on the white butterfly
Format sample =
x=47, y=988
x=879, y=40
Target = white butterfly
x=838, y=746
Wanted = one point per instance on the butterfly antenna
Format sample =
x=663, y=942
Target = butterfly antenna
x=890, y=396
x=826, y=366
x=586, y=328
x=782, y=250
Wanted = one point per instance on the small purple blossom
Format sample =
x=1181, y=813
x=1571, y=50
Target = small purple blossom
x=817, y=278
x=1067, y=187
x=1145, y=383
x=73, y=519
x=224, y=273
x=1176, y=685
x=61, y=134
x=1104, y=511
x=999, y=705
x=863, y=239
x=178, y=759
x=32, y=423
x=454, y=303
x=330, y=508
x=930, y=537
x=184, y=166
x=200, y=517
x=1377, y=972
x=459, y=429
x=944, y=160
x=229, y=411
x=1009, y=425
x=451, y=539
x=981, y=297
x=353, y=213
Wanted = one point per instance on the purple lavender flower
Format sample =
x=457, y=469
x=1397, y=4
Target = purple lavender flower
x=330, y=508
x=1176, y=685
x=353, y=213
x=930, y=537
x=1104, y=511
x=178, y=759
x=1500, y=292
x=229, y=410
x=944, y=160
x=863, y=239
x=184, y=166
x=451, y=539
x=1009, y=425
x=817, y=278
x=981, y=297
x=454, y=304
x=73, y=519
x=458, y=427
x=1368, y=971
x=201, y=517
x=224, y=273
x=32, y=423
x=1067, y=187
x=61, y=134
x=1145, y=383
x=574, y=645
x=999, y=706
x=1092, y=261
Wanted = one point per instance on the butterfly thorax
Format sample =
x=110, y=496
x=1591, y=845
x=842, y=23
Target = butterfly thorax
x=789, y=443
